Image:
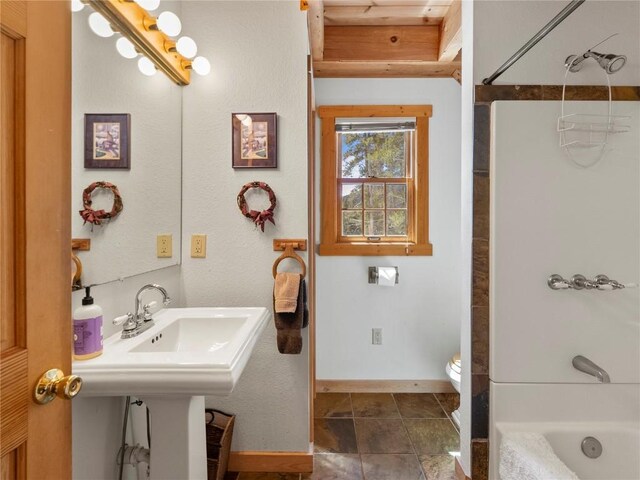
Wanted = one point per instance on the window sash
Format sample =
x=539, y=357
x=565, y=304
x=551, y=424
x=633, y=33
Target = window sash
x=409, y=156
x=410, y=209
x=353, y=127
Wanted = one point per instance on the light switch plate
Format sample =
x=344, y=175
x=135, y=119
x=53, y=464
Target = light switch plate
x=164, y=246
x=198, y=246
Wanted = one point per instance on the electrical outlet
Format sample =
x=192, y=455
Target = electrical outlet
x=376, y=336
x=164, y=246
x=198, y=246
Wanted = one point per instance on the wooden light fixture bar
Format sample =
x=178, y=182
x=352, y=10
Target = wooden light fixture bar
x=135, y=23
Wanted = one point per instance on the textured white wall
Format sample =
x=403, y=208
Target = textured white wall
x=420, y=317
x=503, y=26
x=105, y=82
x=258, y=54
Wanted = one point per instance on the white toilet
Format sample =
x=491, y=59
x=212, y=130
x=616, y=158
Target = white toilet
x=453, y=371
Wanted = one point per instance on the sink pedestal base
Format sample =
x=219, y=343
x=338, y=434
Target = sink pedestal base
x=178, y=438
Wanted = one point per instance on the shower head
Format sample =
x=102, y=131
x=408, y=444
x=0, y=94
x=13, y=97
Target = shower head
x=610, y=62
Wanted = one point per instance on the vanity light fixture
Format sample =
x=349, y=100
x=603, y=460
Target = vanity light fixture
x=201, y=66
x=76, y=5
x=149, y=5
x=143, y=34
x=126, y=48
x=186, y=47
x=169, y=23
x=146, y=67
x=100, y=26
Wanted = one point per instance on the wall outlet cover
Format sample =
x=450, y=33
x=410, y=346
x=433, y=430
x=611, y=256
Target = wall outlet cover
x=198, y=246
x=376, y=336
x=164, y=246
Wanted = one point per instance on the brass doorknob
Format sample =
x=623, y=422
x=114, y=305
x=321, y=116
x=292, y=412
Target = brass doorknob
x=54, y=383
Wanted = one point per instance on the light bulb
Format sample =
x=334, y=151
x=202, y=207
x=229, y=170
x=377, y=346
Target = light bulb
x=126, y=48
x=201, y=66
x=100, y=25
x=148, y=5
x=169, y=23
x=76, y=5
x=186, y=47
x=146, y=66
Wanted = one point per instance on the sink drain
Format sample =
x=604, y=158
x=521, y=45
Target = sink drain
x=591, y=447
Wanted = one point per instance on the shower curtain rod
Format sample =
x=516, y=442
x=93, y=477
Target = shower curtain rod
x=566, y=11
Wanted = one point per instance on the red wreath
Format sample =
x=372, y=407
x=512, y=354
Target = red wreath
x=96, y=217
x=259, y=218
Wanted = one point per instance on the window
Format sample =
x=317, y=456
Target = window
x=374, y=180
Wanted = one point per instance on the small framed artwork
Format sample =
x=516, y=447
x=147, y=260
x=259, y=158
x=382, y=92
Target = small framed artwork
x=107, y=140
x=254, y=140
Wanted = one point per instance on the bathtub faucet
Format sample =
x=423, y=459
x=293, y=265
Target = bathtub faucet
x=587, y=366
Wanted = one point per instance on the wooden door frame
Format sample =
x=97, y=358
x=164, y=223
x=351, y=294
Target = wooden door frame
x=41, y=239
x=311, y=259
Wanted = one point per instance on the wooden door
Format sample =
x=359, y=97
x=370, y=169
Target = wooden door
x=35, y=101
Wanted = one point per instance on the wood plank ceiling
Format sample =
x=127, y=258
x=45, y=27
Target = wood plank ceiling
x=385, y=38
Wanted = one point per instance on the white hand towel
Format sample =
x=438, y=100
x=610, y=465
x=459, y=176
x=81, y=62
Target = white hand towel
x=529, y=456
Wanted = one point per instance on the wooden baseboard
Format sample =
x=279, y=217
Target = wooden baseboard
x=279, y=462
x=460, y=475
x=384, y=386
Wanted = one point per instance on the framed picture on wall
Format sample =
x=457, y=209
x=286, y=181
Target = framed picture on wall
x=107, y=140
x=254, y=140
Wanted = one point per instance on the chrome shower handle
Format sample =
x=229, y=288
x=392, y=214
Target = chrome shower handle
x=558, y=282
x=605, y=283
x=580, y=282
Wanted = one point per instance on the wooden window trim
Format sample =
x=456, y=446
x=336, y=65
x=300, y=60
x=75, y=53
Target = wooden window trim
x=330, y=233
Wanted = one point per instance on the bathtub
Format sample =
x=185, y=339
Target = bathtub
x=565, y=415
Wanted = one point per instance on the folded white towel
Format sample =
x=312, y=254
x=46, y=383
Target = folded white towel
x=529, y=456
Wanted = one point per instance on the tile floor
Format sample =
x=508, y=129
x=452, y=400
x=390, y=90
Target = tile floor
x=380, y=436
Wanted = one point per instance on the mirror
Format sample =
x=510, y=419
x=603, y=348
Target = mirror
x=139, y=151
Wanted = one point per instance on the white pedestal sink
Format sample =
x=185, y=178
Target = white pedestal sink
x=187, y=354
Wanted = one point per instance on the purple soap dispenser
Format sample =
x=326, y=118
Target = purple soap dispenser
x=87, y=329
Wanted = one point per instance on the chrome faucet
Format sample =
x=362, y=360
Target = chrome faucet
x=134, y=324
x=587, y=366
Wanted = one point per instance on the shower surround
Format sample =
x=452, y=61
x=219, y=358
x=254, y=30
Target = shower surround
x=550, y=216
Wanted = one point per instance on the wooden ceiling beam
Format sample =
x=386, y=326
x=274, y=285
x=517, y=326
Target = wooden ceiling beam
x=315, y=20
x=385, y=15
x=451, y=33
x=383, y=3
x=386, y=38
x=381, y=43
x=399, y=69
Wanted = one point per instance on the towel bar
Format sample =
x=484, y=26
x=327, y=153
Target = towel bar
x=289, y=246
